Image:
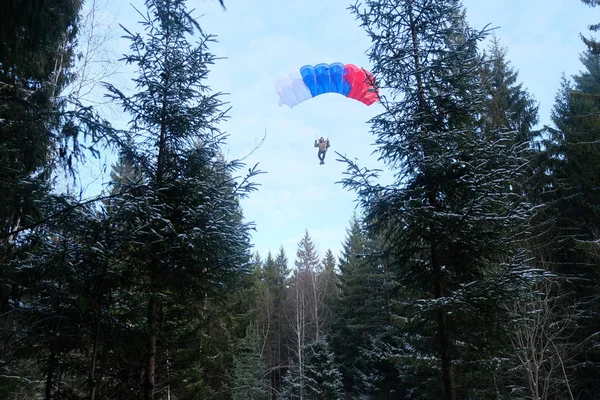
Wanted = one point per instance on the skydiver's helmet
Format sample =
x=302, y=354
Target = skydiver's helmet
x=321, y=140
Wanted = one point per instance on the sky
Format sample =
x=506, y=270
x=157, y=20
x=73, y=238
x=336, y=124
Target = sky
x=259, y=40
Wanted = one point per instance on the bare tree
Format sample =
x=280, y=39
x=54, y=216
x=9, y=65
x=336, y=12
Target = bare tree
x=542, y=343
x=297, y=321
x=96, y=58
x=95, y=62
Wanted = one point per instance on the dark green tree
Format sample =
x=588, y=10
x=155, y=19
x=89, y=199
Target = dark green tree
x=329, y=289
x=280, y=341
x=319, y=378
x=570, y=219
x=272, y=321
x=187, y=242
x=282, y=265
x=306, y=255
x=292, y=387
x=35, y=37
x=307, y=271
x=362, y=318
x=450, y=223
x=508, y=105
x=323, y=378
x=592, y=44
x=248, y=376
x=36, y=42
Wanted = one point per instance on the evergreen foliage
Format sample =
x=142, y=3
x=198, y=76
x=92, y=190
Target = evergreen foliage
x=362, y=317
x=306, y=255
x=249, y=371
x=186, y=241
x=570, y=220
x=319, y=378
x=443, y=289
x=508, y=105
x=451, y=223
x=323, y=378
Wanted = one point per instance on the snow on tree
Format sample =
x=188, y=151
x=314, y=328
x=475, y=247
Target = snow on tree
x=187, y=240
x=319, y=377
x=323, y=377
x=451, y=223
x=249, y=372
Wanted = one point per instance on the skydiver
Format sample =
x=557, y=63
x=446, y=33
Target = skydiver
x=323, y=145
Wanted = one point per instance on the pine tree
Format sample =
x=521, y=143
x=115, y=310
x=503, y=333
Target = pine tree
x=323, y=378
x=362, y=318
x=508, y=105
x=450, y=223
x=36, y=42
x=30, y=81
x=570, y=188
x=592, y=44
x=266, y=315
x=282, y=266
x=308, y=268
x=330, y=279
x=319, y=378
x=249, y=371
x=329, y=287
x=187, y=240
x=281, y=336
x=306, y=255
x=292, y=387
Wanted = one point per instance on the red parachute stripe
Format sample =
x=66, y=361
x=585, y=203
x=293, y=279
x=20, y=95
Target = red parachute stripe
x=360, y=83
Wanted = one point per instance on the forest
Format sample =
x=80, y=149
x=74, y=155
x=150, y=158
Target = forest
x=474, y=274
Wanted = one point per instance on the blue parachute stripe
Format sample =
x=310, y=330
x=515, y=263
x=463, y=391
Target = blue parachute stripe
x=322, y=76
x=336, y=77
x=325, y=78
x=308, y=76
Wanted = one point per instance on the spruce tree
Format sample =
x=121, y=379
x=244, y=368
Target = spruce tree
x=323, y=378
x=34, y=39
x=306, y=255
x=280, y=344
x=570, y=189
x=282, y=265
x=450, y=222
x=329, y=287
x=187, y=241
x=319, y=378
x=508, y=105
x=292, y=387
x=249, y=371
x=307, y=271
x=362, y=318
x=36, y=53
x=592, y=44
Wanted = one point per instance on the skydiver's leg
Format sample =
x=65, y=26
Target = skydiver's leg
x=321, y=156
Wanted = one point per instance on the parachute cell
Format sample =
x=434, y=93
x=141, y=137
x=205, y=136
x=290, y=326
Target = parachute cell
x=311, y=81
x=292, y=90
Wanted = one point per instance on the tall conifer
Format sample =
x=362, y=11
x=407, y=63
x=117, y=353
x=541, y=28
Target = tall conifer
x=450, y=222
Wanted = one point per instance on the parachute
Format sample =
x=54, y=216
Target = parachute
x=311, y=81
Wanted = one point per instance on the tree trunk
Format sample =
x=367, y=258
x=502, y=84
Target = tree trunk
x=447, y=369
x=50, y=373
x=93, y=382
x=151, y=365
x=300, y=321
x=316, y=301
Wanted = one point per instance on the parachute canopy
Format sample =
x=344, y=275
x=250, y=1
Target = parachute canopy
x=308, y=82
